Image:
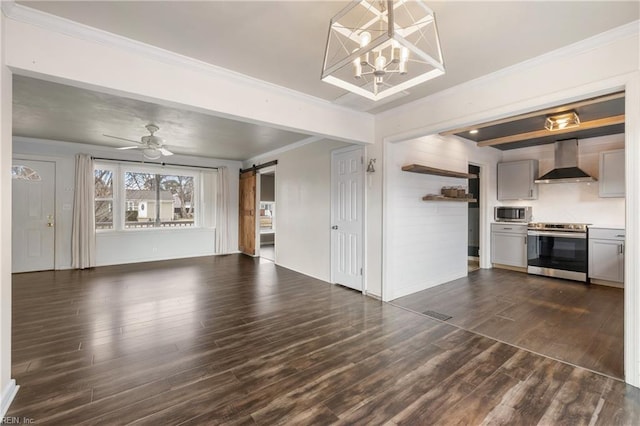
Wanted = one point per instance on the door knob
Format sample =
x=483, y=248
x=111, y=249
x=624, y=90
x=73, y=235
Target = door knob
x=50, y=221
x=334, y=227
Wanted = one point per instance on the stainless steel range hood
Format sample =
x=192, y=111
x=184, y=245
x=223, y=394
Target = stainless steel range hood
x=566, y=165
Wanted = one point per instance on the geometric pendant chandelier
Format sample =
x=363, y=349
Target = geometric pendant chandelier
x=377, y=48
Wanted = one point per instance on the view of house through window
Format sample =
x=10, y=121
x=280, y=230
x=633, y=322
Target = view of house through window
x=155, y=200
x=146, y=199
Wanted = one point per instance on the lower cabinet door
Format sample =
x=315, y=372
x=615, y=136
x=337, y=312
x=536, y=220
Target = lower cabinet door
x=606, y=260
x=509, y=249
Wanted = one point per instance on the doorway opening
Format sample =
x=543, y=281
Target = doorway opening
x=473, y=244
x=267, y=217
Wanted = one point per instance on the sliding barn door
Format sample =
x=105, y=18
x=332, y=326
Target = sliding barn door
x=247, y=223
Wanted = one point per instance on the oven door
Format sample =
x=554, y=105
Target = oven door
x=557, y=254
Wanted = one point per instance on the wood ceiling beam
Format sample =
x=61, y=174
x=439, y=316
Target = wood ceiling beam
x=553, y=110
x=593, y=124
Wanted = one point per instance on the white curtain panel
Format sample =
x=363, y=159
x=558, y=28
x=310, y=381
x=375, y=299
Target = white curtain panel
x=209, y=190
x=222, y=211
x=83, y=231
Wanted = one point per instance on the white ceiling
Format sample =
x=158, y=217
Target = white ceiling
x=282, y=42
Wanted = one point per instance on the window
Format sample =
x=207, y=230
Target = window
x=127, y=198
x=104, y=198
x=158, y=200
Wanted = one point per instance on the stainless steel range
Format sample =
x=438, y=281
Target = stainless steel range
x=558, y=250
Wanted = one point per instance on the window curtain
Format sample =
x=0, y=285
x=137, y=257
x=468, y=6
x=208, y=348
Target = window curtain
x=222, y=211
x=83, y=231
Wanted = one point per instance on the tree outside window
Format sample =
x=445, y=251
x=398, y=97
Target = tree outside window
x=103, y=198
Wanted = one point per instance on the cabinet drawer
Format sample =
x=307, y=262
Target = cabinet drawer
x=607, y=234
x=509, y=228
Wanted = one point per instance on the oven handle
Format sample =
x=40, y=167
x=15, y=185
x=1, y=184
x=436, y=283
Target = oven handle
x=576, y=235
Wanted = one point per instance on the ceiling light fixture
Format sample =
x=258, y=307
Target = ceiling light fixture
x=151, y=153
x=565, y=120
x=379, y=48
x=473, y=132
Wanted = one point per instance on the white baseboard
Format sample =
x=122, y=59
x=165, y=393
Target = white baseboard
x=373, y=295
x=8, y=394
x=606, y=283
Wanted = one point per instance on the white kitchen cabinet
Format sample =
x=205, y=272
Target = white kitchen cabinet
x=611, y=182
x=516, y=180
x=509, y=244
x=606, y=254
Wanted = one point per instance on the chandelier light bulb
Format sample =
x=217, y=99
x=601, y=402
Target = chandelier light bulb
x=357, y=68
x=365, y=38
x=404, y=54
x=395, y=52
x=381, y=62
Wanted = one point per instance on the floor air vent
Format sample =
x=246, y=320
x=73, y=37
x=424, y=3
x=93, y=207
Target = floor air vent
x=437, y=315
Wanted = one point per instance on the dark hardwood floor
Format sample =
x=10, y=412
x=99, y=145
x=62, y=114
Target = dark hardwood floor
x=566, y=320
x=232, y=340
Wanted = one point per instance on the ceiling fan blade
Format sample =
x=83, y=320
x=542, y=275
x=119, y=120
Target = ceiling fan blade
x=129, y=147
x=165, y=151
x=122, y=139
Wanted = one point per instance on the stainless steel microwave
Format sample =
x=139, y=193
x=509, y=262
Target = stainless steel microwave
x=512, y=214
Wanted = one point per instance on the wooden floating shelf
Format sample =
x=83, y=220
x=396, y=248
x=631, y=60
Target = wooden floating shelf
x=442, y=198
x=417, y=168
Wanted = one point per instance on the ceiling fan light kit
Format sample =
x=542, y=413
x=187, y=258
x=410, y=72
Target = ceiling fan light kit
x=378, y=48
x=151, y=153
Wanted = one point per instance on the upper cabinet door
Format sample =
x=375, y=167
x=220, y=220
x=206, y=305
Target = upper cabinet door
x=612, y=173
x=516, y=180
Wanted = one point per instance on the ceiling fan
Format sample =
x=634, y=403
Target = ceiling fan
x=152, y=146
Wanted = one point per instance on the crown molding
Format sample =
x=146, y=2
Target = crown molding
x=47, y=21
x=623, y=31
x=6, y=6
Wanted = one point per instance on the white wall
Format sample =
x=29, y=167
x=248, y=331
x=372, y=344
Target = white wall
x=7, y=384
x=119, y=247
x=303, y=214
x=116, y=247
x=427, y=240
x=572, y=202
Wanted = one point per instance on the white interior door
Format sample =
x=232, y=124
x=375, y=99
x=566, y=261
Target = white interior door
x=33, y=218
x=347, y=200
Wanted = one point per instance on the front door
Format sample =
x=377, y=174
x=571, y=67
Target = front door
x=33, y=216
x=347, y=175
x=247, y=213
